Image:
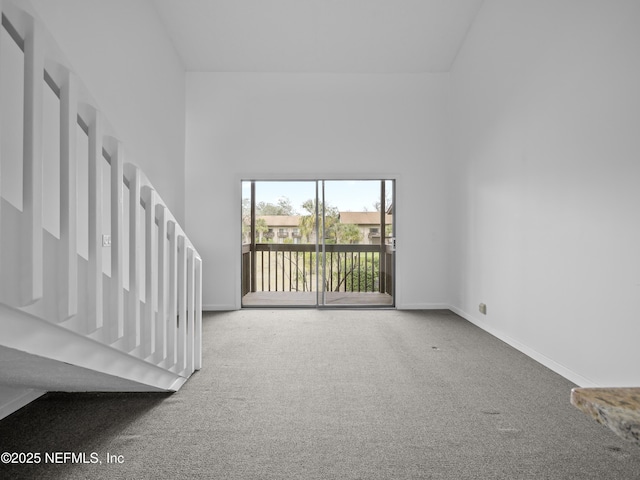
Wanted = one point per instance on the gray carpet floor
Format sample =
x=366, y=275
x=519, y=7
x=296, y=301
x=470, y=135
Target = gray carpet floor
x=332, y=394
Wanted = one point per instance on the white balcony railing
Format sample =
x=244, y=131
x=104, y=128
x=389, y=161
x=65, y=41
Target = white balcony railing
x=141, y=295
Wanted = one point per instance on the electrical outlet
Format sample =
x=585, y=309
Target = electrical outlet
x=483, y=308
x=106, y=240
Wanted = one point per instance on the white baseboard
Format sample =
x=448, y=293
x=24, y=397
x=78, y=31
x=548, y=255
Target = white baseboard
x=528, y=351
x=423, y=306
x=218, y=308
x=21, y=399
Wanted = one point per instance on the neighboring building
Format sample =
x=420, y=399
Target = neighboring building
x=279, y=228
x=368, y=223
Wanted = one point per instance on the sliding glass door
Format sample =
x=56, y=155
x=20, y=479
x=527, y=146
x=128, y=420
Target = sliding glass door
x=318, y=243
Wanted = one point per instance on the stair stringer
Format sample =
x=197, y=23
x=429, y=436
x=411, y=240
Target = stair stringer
x=32, y=335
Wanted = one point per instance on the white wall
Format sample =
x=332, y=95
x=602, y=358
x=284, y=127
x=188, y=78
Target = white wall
x=300, y=126
x=546, y=122
x=122, y=53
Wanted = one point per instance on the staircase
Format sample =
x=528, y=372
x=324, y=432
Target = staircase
x=100, y=288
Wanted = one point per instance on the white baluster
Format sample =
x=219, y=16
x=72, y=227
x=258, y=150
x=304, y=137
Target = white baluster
x=182, y=304
x=169, y=330
x=191, y=298
x=32, y=259
x=198, y=306
x=116, y=317
x=132, y=327
x=94, y=285
x=148, y=330
x=172, y=311
x=161, y=317
x=68, y=197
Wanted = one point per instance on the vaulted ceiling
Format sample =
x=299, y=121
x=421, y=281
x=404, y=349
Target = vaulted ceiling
x=333, y=36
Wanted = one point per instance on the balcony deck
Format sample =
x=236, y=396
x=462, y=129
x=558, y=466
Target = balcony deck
x=281, y=275
x=293, y=299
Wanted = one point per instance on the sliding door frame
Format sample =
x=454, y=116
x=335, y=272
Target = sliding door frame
x=317, y=178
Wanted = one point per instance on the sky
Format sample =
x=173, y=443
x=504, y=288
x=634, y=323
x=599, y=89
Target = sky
x=346, y=195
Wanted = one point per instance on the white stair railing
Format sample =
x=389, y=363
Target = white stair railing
x=153, y=310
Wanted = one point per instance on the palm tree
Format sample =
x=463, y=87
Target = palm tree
x=307, y=223
x=261, y=228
